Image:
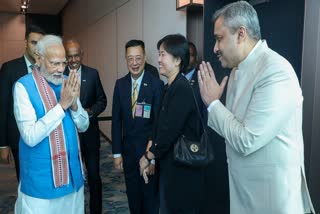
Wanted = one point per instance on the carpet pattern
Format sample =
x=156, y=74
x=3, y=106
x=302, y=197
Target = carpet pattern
x=113, y=187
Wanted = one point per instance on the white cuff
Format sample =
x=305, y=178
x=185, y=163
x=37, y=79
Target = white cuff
x=117, y=156
x=212, y=104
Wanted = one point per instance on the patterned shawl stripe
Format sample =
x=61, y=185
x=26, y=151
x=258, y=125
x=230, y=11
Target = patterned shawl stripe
x=60, y=169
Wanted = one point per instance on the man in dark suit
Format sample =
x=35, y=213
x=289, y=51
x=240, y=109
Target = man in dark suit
x=216, y=173
x=93, y=99
x=136, y=101
x=151, y=69
x=10, y=72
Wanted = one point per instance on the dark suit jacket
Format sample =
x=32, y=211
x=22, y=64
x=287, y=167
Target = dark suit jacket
x=92, y=96
x=152, y=70
x=129, y=136
x=10, y=72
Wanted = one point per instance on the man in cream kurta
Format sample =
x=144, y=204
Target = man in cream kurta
x=262, y=119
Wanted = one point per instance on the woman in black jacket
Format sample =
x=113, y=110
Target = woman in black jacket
x=181, y=186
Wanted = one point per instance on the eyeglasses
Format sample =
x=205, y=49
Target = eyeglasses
x=137, y=59
x=55, y=64
x=76, y=56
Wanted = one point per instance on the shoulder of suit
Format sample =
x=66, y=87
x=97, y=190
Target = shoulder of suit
x=152, y=77
x=124, y=78
x=183, y=84
x=85, y=67
x=15, y=65
x=15, y=61
x=180, y=88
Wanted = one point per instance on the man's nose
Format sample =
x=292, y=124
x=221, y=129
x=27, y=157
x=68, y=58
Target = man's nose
x=135, y=61
x=215, y=48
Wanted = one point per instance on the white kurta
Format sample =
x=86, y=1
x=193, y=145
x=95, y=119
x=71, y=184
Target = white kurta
x=262, y=125
x=34, y=131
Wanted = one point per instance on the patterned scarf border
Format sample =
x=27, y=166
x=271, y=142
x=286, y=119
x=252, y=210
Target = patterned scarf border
x=59, y=158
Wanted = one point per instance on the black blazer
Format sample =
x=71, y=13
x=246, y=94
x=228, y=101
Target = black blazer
x=153, y=70
x=183, y=186
x=10, y=72
x=92, y=96
x=129, y=133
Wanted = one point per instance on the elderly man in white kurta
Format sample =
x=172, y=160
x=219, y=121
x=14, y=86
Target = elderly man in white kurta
x=262, y=119
x=49, y=114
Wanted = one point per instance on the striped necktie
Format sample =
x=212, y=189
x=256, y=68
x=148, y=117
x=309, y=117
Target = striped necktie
x=134, y=97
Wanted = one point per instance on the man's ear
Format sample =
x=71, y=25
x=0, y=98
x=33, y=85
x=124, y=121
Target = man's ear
x=38, y=59
x=242, y=33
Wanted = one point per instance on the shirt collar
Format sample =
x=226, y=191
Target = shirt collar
x=249, y=57
x=139, y=80
x=79, y=69
x=255, y=47
x=242, y=67
x=190, y=74
x=28, y=63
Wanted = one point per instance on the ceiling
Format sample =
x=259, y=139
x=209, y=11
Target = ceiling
x=50, y=7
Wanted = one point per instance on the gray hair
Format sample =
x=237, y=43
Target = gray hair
x=47, y=41
x=239, y=14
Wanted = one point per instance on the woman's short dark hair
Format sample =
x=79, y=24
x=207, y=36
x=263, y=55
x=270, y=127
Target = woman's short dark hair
x=177, y=46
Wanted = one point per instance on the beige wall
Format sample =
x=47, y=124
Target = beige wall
x=12, y=30
x=104, y=26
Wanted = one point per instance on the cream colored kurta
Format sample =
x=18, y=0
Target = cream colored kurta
x=262, y=125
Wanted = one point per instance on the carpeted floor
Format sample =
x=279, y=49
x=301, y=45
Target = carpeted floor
x=114, y=197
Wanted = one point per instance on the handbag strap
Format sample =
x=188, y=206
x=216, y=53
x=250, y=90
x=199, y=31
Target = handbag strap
x=197, y=105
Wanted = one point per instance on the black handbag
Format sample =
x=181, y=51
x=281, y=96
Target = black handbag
x=194, y=153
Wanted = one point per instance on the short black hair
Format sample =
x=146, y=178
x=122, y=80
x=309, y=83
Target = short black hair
x=177, y=46
x=135, y=43
x=33, y=29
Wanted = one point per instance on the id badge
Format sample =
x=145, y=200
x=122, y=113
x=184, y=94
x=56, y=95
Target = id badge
x=139, y=109
x=146, y=111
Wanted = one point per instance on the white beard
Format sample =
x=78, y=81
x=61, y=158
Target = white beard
x=50, y=77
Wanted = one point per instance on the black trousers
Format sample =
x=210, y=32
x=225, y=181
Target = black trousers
x=91, y=154
x=164, y=209
x=142, y=198
x=15, y=153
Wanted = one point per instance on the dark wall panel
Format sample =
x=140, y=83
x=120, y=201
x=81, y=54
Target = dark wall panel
x=51, y=24
x=282, y=26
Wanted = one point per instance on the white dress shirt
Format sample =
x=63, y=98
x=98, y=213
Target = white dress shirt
x=29, y=64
